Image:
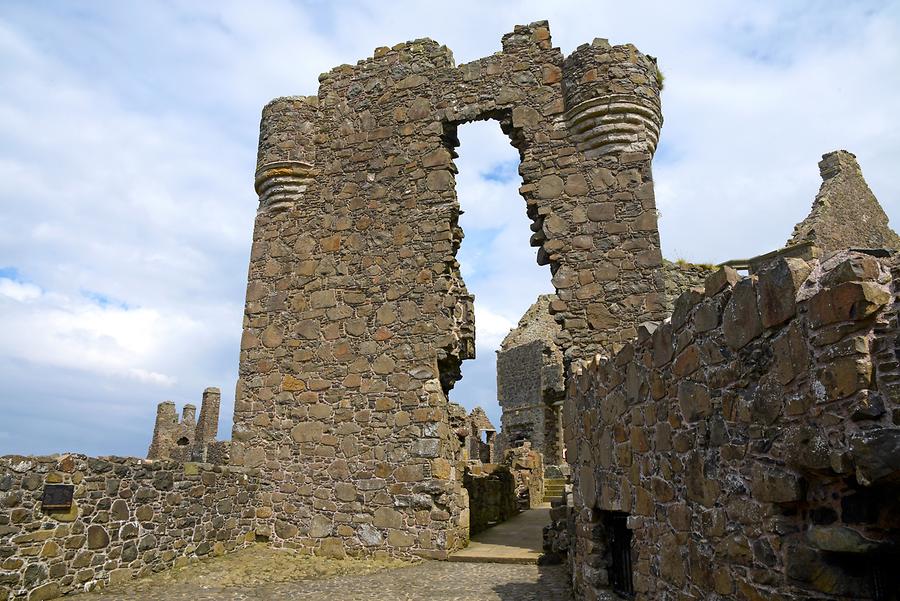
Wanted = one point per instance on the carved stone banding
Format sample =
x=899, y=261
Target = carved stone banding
x=614, y=124
x=280, y=184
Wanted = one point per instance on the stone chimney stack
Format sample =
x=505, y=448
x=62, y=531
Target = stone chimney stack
x=166, y=422
x=189, y=416
x=208, y=426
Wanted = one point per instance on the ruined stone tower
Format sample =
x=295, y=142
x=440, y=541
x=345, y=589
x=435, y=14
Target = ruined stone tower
x=531, y=383
x=186, y=440
x=357, y=318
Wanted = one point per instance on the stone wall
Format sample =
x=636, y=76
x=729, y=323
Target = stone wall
x=845, y=213
x=751, y=444
x=356, y=316
x=130, y=518
x=527, y=467
x=680, y=276
x=492, y=495
x=531, y=383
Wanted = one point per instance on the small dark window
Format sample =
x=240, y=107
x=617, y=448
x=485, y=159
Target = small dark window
x=620, y=571
x=183, y=441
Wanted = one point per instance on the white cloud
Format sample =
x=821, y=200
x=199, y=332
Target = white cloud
x=129, y=136
x=19, y=291
x=492, y=328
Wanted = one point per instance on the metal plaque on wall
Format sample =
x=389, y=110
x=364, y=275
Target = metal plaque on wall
x=57, y=496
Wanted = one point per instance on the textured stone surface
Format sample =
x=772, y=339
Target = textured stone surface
x=754, y=453
x=130, y=518
x=357, y=318
x=531, y=383
x=492, y=496
x=845, y=213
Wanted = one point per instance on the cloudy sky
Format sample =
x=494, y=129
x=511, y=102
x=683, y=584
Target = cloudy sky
x=127, y=148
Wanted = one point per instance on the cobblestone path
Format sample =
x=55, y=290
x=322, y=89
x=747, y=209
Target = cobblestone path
x=426, y=581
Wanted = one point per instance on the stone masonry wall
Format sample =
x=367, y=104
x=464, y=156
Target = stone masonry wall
x=188, y=439
x=130, y=518
x=845, y=213
x=492, y=495
x=531, y=383
x=753, y=440
x=680, y=276
x=357, y=318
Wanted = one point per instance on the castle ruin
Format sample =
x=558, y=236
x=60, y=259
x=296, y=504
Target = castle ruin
x=531, y=383
x=745, y=446
x=189, y=439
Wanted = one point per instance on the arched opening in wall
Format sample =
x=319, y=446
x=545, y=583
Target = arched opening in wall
x=182, y=442
x=499, y=267
x=496, y=260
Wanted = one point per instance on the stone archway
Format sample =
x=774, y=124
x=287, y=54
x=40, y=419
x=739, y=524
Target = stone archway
x=357, y=317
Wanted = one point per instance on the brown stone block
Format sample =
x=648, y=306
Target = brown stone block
x=845, y=375
x=876, y=454
x=725, y=277
x=409, y=473
x=694, y=401
x=663, y=345
x=741, y=322
x=771, y=484
x=550, y=74
x=292, y=384
x=850, y=301
x=777, y=288
x=687, y=361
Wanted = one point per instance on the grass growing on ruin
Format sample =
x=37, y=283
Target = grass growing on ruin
x=685, y=263
x=258, y=565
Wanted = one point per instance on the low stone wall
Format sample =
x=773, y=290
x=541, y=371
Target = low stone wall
x=527, y=467
x=558, y=533
x=492, y=495
x=129, y=518
x=680, y=276
x=750, y=447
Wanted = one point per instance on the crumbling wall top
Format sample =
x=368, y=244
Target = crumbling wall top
x=845, y=213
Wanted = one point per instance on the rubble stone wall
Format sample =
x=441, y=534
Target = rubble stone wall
x=527, y=467
x=356, y=316
x=188, y=439
x=492, y=495
x=753, y=440
x=130, y=518
x=531, y=383
x=845, y=213
x=680, y=276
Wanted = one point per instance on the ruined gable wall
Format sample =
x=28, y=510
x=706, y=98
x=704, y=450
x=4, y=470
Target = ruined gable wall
x=356, y=316
x=753, y=439
x=173, y=438
x=520, y=393
x=845, y=212
x=130, y=518
x=531, y=381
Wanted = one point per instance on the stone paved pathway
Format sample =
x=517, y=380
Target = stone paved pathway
x=517, y=540
x=426, y=581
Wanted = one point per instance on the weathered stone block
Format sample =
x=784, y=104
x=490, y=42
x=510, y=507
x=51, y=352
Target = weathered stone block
x=724, y=277
x=777, y=288
x=851, y=301
x=772, y=484
x=741, y=320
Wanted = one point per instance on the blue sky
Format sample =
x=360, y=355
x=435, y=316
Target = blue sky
x=128, y=146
